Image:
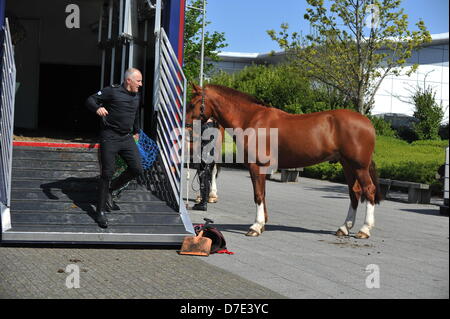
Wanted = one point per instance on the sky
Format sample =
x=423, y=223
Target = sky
x=245, y=22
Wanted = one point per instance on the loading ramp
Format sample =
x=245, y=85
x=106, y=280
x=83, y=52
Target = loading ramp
x=53, y=198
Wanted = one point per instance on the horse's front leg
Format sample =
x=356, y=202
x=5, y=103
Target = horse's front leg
x=213, y=198
x=259, y=190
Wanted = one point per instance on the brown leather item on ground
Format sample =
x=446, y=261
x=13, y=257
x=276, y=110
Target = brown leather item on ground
x=196, y=245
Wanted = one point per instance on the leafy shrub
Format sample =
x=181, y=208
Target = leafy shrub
x=280, y=86
x=423, y=172
x=382, y=127
x=407, y=134
x=428, y=112
x=433, y=143
x=325, y=171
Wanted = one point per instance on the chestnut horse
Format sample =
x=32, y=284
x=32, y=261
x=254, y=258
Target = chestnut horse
x=303, y=140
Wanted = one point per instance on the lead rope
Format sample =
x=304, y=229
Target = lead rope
x=188, y=176
x=188, y=173
x=202, y=116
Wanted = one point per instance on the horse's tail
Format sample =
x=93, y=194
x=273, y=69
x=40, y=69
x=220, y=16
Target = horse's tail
x=374, y=177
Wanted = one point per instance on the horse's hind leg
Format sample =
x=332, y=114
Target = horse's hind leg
x=259, y=189
x=369, y=191
x=354, y=190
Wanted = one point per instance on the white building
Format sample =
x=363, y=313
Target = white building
x=394, y=92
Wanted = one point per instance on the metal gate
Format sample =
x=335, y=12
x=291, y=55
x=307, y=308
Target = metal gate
x=170, y=102
x=8, y=87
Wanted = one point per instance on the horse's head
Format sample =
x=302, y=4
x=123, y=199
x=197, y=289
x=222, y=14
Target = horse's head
x=199, y=107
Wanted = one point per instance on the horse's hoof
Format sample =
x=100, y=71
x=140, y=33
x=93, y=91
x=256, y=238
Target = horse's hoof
x=361, y=235
x=252, y=233
x=340, y=233
x=213, y=199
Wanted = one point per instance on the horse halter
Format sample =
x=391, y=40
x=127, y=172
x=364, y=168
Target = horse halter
x=202, y=111
x=202, y=107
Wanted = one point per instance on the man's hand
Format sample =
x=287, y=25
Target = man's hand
x=101, y=111
x=136, y=137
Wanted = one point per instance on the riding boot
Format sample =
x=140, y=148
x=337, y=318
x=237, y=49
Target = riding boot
x=100, y=214
x=110, y=204
x=116, y=184
x=120, y=181
x=203, y=204
x=204, y=180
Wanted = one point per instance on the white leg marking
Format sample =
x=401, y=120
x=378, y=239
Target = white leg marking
x=369, y=222
x=213, y=192
x=349, y=221
x=260, y=219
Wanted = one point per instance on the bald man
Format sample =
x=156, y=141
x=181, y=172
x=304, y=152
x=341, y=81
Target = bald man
x=118, y=108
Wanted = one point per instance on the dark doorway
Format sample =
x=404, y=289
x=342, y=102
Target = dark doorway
x=63, y=90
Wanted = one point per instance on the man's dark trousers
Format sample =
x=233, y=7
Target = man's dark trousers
x=110, y=146
x=126, y=147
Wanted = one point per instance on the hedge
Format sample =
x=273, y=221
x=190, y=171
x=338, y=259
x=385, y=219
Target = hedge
x=395, y=159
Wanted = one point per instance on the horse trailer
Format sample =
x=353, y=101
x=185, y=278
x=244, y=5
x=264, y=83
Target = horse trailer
x=54, y=55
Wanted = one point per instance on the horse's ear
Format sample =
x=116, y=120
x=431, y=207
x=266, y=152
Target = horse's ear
x=196, y=89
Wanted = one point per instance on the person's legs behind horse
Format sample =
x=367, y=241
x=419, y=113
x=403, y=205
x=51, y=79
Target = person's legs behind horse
x=204, y=177
x=206, y=166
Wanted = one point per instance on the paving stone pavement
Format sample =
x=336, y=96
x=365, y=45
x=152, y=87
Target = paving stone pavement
x=30, y=272
x=299, y=256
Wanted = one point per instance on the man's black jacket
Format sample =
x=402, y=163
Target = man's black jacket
x=122, y=106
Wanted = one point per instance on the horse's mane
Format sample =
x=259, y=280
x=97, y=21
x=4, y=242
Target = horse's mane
x=237, y=94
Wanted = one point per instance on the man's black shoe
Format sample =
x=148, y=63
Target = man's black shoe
x=110, y=205
x=200, y=206
x=100, y=218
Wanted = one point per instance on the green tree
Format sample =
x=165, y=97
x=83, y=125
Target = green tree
x=354, y=45
x=428, y=113
x=214, y=41
x=280, y=86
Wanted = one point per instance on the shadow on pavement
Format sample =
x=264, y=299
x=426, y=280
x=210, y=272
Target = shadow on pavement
x=425, y=211
x=242, y=229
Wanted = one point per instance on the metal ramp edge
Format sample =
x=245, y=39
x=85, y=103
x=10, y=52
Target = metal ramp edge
x=65, y=234
x=17, y=237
